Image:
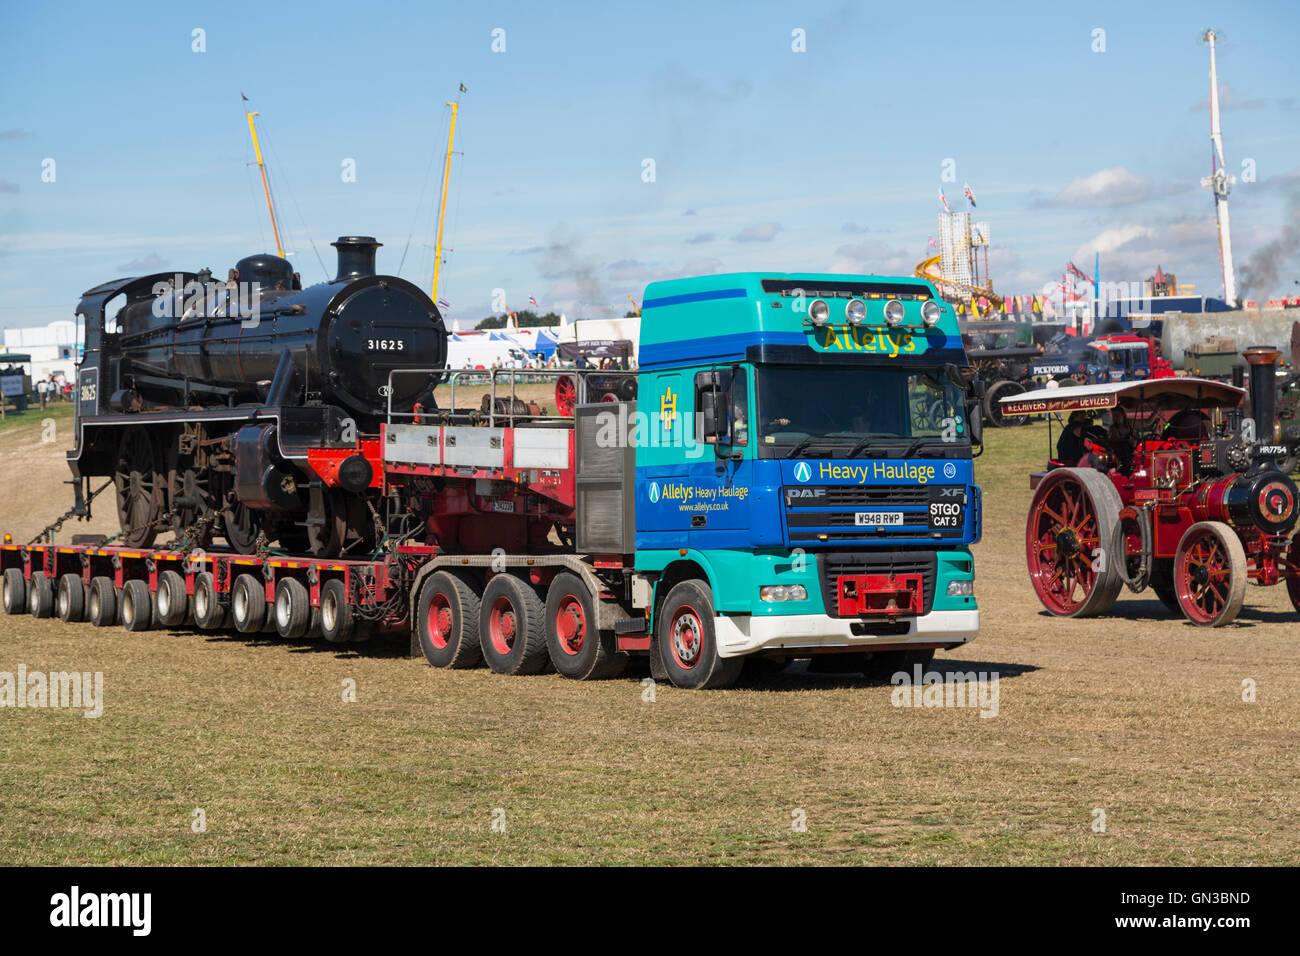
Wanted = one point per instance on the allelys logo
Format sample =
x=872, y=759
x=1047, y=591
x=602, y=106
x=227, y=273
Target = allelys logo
x=949, y=470
x=802, y=471
x=654, y=492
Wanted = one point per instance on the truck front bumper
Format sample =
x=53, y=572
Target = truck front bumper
x=739, y=634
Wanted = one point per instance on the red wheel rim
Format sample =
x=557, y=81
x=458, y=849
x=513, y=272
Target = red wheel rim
x=1203, y=577
x=566, y=395
x=1062, y=534
x=686, y=634
x=440, y=621
x=571, y=625
x=503, y=625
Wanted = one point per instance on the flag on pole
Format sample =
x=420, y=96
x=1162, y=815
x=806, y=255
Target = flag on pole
x=969, y=194
x=462, y=88
x=531, y=300
x=444, y=305
x=944, y=201
x=933, y=244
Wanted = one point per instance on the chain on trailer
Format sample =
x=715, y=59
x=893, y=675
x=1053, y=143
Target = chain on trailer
x=48, y=531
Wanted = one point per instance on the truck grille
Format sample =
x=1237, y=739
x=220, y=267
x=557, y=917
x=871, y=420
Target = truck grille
x=810, y=518
x=833, y=564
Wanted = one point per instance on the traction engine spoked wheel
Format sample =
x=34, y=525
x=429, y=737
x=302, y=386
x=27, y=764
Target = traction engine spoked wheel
x=1071, y=525
x=140, y=486
x=999, y=390
x=566, y=395
x=1210, y=574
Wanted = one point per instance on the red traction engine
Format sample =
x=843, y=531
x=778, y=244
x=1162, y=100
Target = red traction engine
x=1191, y=504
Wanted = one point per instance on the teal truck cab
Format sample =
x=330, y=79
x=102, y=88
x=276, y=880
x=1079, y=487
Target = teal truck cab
x=803, y=480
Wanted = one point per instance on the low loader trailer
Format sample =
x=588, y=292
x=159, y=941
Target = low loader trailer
x=792, y=479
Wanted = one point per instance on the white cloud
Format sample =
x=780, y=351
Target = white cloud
x=1106, y=187
x=759, y=232
x=1112, y=239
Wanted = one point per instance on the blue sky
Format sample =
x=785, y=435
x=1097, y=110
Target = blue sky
x=764, y=158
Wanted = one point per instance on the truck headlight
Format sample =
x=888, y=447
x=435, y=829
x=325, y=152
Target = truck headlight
x=894, y=312
x=783, y=592
x=855, y=311
x=819, y=312
x=961, y=589
x=930, y=312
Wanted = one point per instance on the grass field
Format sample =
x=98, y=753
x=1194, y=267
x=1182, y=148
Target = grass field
x=1139, y=715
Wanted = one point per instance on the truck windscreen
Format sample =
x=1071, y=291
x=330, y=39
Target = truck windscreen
x=874, y=412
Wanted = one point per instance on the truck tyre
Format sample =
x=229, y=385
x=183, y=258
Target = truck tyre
x=248, y=604
x=208, y=612
x=15, y=591
x=336, y=619
x=70, y=604
x=40, y=595
x=169, y=598
x=687, y=643
x=137, y=605
x=447, y=620
x=512, y=627
x=578, y=648
x=292, y=608
x=101, y=604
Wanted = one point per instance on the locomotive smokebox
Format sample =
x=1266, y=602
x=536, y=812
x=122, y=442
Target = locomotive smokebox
x=1263, y=390
x=356, y=256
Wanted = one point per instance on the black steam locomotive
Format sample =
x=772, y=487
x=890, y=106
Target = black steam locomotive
x=200, y=399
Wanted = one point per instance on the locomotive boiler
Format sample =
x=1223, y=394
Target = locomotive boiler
x=200, y=398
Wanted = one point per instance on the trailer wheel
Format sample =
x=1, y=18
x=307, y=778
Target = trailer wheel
x=15, y=591
x=137, y=605
x=170, y=599
x=101, y=604
x=447, y=622
x=687, y=643
x=70, y=604
x=999, y=390
x=512, y=630
x=336, y=619
x=248, y=604
x=1068, y=540
x=292, y=608
x=40, y=595
x=1210, y=574
x=578, y=648
x=208, y=612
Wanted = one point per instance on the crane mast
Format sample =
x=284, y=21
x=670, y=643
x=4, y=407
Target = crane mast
x=1219, y=181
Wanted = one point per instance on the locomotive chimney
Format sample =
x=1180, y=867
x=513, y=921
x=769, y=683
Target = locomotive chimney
x=1263, y=373
x=356, y=256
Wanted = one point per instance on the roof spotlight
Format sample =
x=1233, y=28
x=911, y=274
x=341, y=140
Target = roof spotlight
x=855, y=311
x=930, y=313
x=894, y=312
x=819, y=312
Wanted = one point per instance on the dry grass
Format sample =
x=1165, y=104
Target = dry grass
x=1139, y=714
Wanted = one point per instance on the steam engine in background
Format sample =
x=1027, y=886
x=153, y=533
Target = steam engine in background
x=201, y=400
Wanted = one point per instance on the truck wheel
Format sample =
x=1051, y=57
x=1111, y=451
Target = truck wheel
x=336, y=619
x=208, y=612
x=447, y=622
x=687, y=643
x=1068, y=538
x=170, y=599
x=1003, y=388
x=1210, y=574
x=578, y=648
x=40, y=595
x=70, y=604
x=292, y=608
x=137, y=605
x=15, y=591
x=248, y=604
x=511, y=626
x=101, y=605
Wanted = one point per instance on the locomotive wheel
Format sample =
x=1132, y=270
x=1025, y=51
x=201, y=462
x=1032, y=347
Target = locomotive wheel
x=511, y=626
x=241, y=525
x=993, y=404
x=1210, y=574
x=1068, y=536
x=193, y=485
x=447, y=622
x=326, y=522
x=566, y=395
x=70, y=602
x=140, y=486
x=578, y=648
